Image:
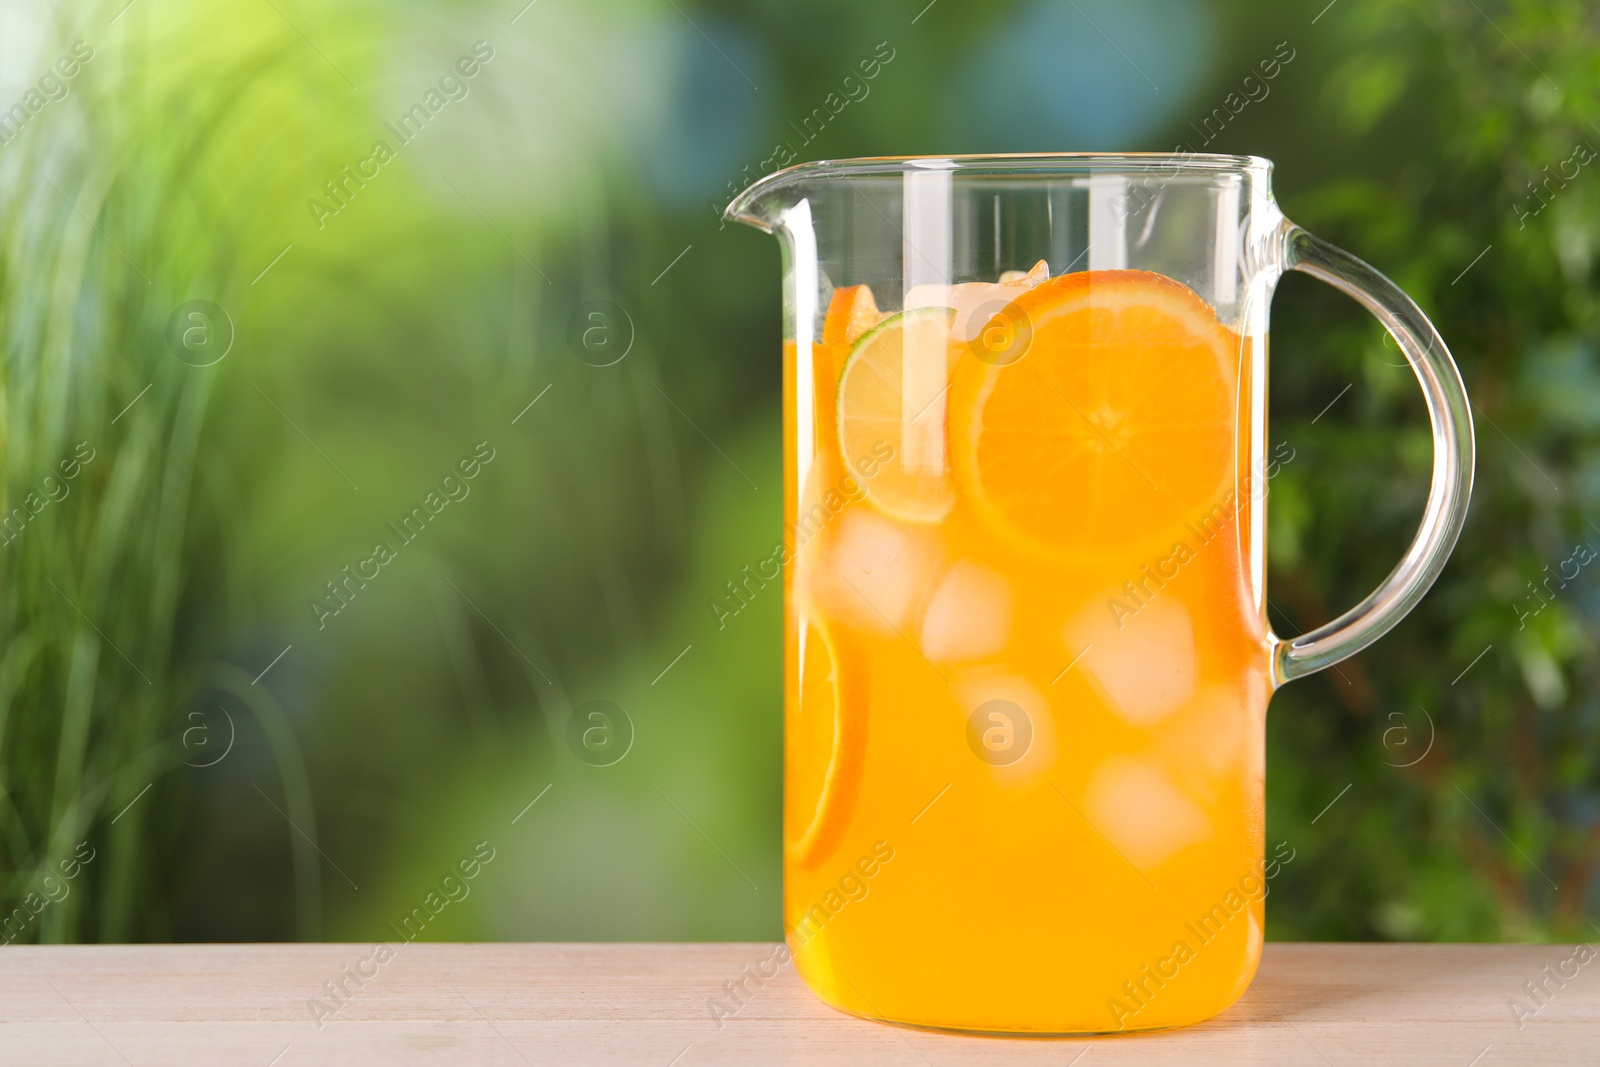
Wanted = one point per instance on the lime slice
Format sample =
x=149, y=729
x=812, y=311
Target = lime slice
x=892, y=398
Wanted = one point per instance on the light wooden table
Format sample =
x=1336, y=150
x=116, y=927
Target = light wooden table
x=648, y=1004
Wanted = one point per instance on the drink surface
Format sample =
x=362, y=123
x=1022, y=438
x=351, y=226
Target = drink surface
x=1027, y=671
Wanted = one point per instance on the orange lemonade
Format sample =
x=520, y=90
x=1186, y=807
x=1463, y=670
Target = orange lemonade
x=1027, y=669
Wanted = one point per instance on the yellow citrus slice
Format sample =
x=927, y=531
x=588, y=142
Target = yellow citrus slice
x=892, y=399
x=825, y=745
x=1113, y=427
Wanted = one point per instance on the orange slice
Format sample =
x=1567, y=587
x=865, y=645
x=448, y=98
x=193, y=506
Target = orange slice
x=1114, y=427
x=892, y=401
x=851, y=313
x=825, y=745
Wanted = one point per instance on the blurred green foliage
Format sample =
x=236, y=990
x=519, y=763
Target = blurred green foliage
x=373, y=347
x=1494, y=833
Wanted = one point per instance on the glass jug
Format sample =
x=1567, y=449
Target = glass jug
x=1027, y=659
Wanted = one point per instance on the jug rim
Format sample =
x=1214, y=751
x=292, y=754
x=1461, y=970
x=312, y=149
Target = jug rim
x=1000, y=163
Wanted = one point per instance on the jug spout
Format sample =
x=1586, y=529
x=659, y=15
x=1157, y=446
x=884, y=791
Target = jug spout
x=764, y=203
x=770, y=204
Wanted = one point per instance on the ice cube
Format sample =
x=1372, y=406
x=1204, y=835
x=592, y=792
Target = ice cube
x=1217, y=741
x=1026, y=278
x=977, y=687
x=975, y=303
x=871, y=572
x=1133, y=802
x=969, y=616
x=1142, y=659
x=1213, y=737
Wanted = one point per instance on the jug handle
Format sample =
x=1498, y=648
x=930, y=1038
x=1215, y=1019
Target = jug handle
x=1450, y=414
